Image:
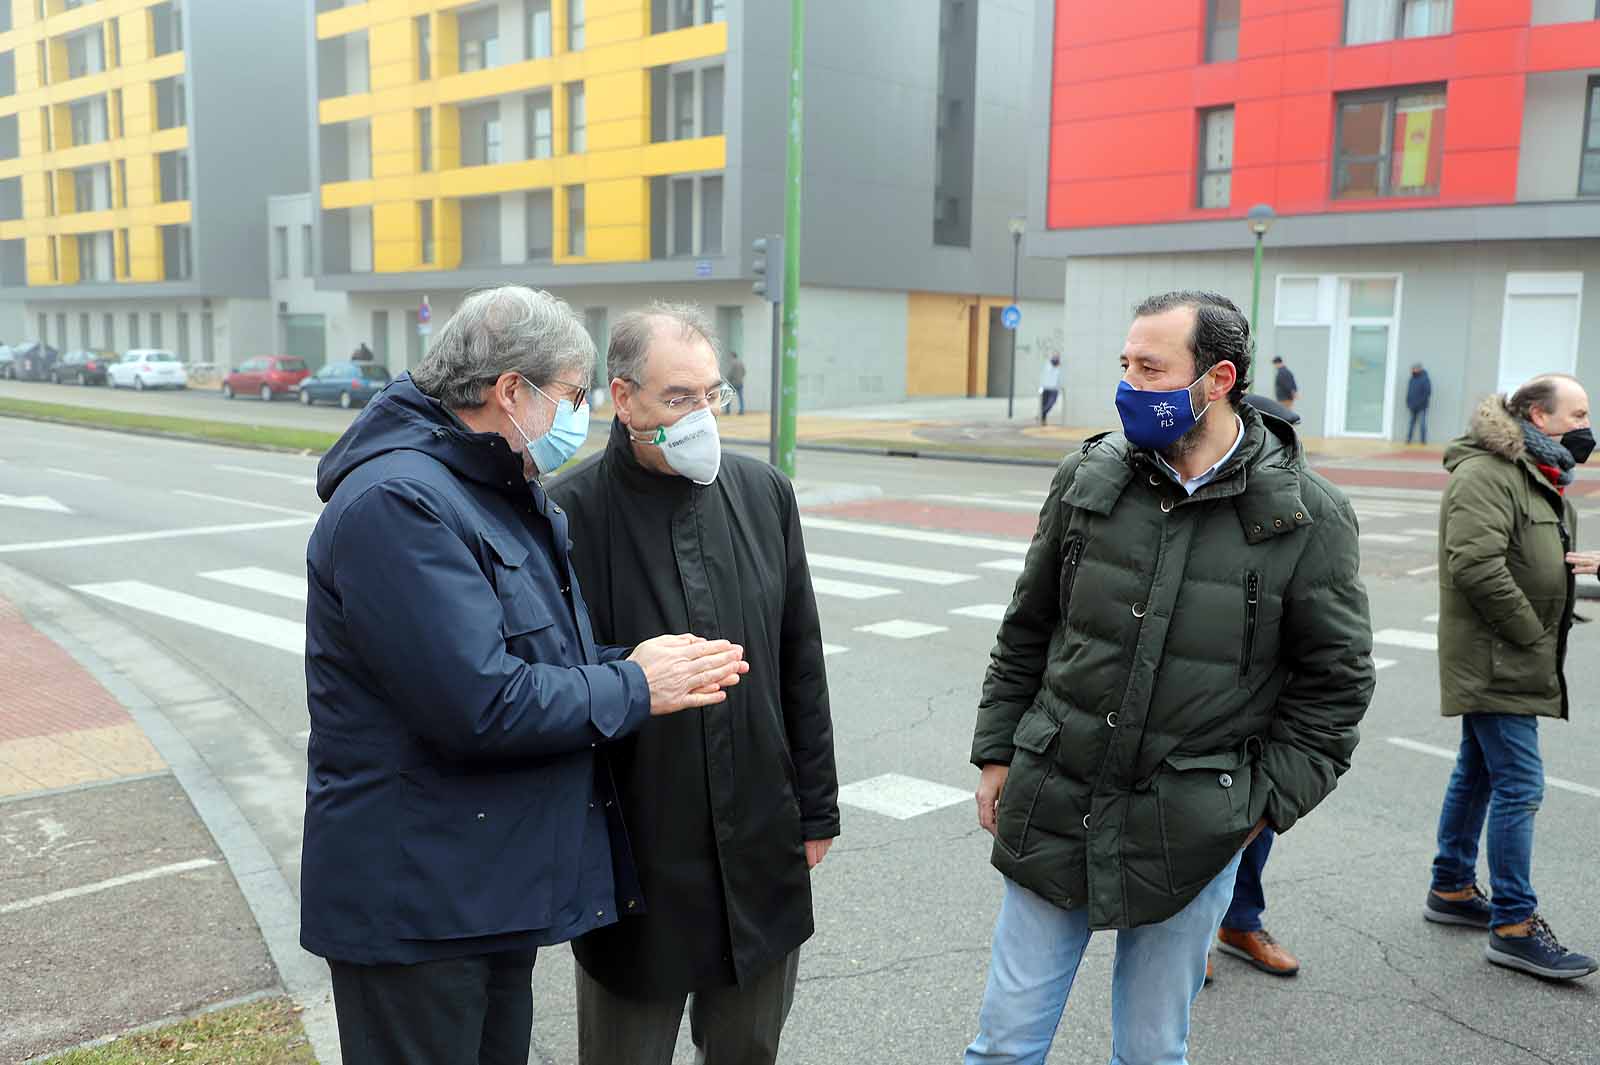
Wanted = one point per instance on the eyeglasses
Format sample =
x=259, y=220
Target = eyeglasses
x=579, y=392
x=718, y=399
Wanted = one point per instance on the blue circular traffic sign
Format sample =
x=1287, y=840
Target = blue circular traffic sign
x=1011, y=317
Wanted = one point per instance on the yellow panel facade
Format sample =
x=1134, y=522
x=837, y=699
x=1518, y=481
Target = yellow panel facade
x=939, y=343
x=618, y=158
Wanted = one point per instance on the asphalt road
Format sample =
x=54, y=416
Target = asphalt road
x=905, y=904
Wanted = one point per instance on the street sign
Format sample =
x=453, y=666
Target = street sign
x=1011, y=317
x=424, y=312
x=702, y=268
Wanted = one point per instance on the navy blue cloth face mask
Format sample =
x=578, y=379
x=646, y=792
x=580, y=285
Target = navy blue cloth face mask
x=1154, y=419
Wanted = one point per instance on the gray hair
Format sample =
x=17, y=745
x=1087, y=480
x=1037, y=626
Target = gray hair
x=631, y=336
x=496, y=331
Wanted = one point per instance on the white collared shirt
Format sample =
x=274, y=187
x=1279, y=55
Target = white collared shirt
x=1200, y=480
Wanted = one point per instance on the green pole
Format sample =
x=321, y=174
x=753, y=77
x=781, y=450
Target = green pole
x=1255, y=292
x=791, y=240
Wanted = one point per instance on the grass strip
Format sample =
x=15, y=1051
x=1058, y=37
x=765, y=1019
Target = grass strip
x=264, y=1032
x=236, y=433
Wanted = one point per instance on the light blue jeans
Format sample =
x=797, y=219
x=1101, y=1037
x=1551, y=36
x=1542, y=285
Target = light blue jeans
x=1159, y=969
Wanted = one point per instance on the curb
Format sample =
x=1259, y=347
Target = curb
x=190, y=438
x=273, y=905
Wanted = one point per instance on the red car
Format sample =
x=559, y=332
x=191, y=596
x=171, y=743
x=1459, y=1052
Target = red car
x=266, y=376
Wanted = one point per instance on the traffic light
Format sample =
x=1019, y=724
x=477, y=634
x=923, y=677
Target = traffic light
x=768, y=267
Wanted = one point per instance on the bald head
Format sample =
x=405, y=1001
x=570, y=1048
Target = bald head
x=1556, y=403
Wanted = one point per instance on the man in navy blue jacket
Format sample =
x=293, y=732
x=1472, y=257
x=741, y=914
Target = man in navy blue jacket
x=457, y=814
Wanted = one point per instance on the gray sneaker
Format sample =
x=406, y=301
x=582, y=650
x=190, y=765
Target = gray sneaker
x=1538, y=953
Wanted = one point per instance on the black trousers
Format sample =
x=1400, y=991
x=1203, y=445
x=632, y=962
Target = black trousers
x=461, y=1011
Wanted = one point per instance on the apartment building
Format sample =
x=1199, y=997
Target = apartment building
x=139, y=140
x=1434, y=166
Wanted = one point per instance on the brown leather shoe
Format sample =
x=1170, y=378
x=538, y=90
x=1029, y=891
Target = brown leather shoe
x=1260, y=950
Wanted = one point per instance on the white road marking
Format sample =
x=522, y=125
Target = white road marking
x=833, y=649
x=985, y=611
x=1008, y=565
x=984, y=501
x=1420, y=570
x=1450, y=756
x=74, y=473
x=159, y=534
x=1387, y=538
x=921, y=536
x=900, y=797
x=35, y=503
x=1375, y=515
x=899, y=629
x=1417, y=641
x=221, y=618
x=106, y=885
x=262, y=580
x=915, y=574
x=291, y=477
x=850, y=589
x=1432, y=534
x=242, y=503
x=1383, y=663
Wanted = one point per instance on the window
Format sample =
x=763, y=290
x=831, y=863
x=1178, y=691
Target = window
x=1389, y=144
x=425, y=226
x=710, y=216
x=541, y=226
x=171, y=106
x=480, y=134
x=1216, y=157
x=166, y=25
x=540, y=40
x=1222, y=31
x=577, y=123
x=280, y=252
x=94, y=262
x=126, y=244
x=308, y=251
x=89, y=121
x=953, y=143
x=177, y=251
x=83, y=330
x=156, y=339
x=174, y=176
x=61, y=331
x=44, y=330
x=183, y=336
x=117, y=109
x=681, y=14
x=122, y=183
x=683, y=216
x=1369, y=21
x=108, y=323
x=44, y=63
x=91, y=188
x=694, y=102
x=577, y=236
x=480, y=231
x=574, y=25
x=133, y=330
x=694, y=222
x=424, y=49
x=479, y=36
x=1589, y=176
x=208, y=337
x=711, y=80
x=541, y=126
x=47, y=123
x=716, y=10
x=116, y=43
x=86, y=53
x=50, y=194
x=424, y=139
x=683, y=106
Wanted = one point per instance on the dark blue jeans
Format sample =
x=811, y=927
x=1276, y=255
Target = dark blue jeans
x=1499, y=778
x=1249, y=901
x=1416, y=417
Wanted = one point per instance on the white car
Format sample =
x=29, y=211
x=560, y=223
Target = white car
x=144, y=368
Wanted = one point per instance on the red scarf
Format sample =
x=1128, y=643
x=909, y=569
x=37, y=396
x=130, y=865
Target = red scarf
x=1555, y=477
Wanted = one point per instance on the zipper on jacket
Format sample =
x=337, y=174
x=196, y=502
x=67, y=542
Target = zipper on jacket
x=1252, y=602
x=1070, y=577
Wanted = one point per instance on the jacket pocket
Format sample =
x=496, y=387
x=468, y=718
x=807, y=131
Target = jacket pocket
x=1204, y=802
x=1530, y=670
x=1252, y=610
x=1071, y=559
x=1031, y=769
x=523, y=612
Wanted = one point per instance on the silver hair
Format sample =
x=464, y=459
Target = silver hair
x=496, y=331
x=631, y=336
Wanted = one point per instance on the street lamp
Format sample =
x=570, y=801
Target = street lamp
x=1259, y=219
x=1018, y=226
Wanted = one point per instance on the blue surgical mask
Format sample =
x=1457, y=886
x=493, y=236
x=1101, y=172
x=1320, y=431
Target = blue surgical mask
x=567, y=433
x=1157, y=420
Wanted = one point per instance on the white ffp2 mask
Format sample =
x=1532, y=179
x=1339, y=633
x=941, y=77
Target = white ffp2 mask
x=692, y=446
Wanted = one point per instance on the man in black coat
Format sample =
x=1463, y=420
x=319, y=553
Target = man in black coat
x=1284, y=386
x=730, y=808
x=1419, y=394
x=456, y=816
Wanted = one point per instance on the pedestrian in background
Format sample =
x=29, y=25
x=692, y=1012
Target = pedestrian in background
x=1049, y=387
x=1183, y=665
x=1419, y=393
x=456, y=819
x=1242, y=934
x=731, y=808
x=1506, y=594
x=736, y=377
x=1284, y=387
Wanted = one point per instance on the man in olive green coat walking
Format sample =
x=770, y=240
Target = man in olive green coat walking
x=1506, y=534
x=1184, y=662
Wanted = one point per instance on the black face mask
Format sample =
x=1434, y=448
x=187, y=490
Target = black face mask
x=1580, y=442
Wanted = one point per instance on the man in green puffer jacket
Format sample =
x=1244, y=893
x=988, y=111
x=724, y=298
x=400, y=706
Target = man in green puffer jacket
x=1506, y=532
x=1184, y=662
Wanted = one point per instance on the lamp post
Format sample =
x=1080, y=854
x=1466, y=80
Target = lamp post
x=1259, y=218
x=1018, y=226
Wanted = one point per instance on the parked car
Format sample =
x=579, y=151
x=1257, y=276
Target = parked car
x=350, y=384
x=33, y=361
x=6, y=357
x=266, y=376
x=144, y=368
x=83, y=367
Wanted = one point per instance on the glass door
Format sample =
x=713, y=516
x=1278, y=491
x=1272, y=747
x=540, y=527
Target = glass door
x=1362, y=359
